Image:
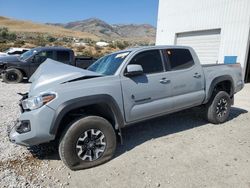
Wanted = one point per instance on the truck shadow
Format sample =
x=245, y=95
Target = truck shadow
x=140, y=133
x=181, y=121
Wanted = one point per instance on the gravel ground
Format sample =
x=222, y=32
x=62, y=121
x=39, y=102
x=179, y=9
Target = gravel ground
x=179, y=150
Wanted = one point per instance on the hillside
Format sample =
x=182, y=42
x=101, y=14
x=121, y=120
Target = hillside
x=138, y=32
x=20, y=26
x=81, y=36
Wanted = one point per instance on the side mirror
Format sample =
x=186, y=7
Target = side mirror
x=134, y=70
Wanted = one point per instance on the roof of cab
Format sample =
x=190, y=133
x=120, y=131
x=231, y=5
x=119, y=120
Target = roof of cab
x=139, y=48
x=51, y=48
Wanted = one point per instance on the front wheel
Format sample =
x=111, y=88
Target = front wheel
x=218, y=108
x=12, y=76
x=88, y=142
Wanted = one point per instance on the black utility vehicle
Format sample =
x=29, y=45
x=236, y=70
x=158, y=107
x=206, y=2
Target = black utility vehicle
x=13, y=69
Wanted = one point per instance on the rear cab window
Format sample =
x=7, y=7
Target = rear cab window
x=150, y=61
x=15, y=53
x=179, y=59
x=63, y=56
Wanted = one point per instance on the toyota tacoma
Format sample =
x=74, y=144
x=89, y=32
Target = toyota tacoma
x=85, y=110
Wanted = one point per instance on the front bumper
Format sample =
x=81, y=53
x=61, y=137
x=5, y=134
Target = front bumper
x=40, y=123
x=1, y=72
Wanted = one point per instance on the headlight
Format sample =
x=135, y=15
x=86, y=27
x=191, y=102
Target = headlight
x=33, y=103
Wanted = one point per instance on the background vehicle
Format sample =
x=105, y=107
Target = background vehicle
x=85, y=110
x=14, y=69
x=13, y=51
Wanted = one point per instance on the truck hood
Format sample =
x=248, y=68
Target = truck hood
x=51, y=73
x=9, y=58
x=3, y=54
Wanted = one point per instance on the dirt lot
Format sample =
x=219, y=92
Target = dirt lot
x=179, y=150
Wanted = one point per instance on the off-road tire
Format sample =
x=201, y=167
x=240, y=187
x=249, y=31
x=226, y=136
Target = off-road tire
x=12, y=76
x=215, y=111
x=70, y=138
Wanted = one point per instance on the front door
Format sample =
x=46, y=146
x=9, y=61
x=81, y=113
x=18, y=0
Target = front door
x=39, y=58
x=146, y=95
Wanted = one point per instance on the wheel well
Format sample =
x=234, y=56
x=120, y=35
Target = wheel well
x=102, y=110
x=22, y=71
x=224, y=86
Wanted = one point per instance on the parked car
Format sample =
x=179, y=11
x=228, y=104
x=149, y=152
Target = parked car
x=14, y=51
x=85, y=110
x=14, y=69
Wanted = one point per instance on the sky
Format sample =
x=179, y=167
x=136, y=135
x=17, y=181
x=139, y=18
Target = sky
x=63, y=11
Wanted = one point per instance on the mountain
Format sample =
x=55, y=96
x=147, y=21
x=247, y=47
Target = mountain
x=93, y=25
x=28, y=27
x=92, y=28
x=139, y=32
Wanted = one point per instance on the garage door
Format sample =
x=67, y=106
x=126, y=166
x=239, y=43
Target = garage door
x=205, y=43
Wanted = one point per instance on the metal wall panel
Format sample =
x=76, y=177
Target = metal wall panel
x=205, y=43
x=231, y=16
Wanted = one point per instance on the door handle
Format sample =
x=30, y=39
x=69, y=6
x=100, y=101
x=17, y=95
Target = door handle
x=164, y=81
x=197, y=75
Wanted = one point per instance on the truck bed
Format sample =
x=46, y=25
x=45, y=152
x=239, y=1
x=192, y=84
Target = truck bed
x=224, y=71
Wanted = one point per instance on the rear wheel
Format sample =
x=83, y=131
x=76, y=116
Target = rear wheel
x=218, y=108
x=12, y=76
x=88, y=142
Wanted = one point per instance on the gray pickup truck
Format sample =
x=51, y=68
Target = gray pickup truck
x=85, y=110
x=14, y=68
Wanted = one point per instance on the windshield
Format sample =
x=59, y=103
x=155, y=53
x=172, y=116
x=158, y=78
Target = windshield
x=27, y=55
x=109, y=64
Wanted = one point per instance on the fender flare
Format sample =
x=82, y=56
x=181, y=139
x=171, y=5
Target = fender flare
x=218, y=80
x=67, y=106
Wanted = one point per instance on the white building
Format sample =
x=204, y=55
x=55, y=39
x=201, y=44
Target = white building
x=219, y=30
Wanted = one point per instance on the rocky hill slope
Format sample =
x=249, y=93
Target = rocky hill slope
x=142, y=32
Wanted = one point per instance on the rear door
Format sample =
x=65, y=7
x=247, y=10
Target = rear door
x=146, y=95
x=187, y=78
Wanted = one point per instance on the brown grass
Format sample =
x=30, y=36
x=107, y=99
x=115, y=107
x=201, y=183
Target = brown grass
x=30, y=27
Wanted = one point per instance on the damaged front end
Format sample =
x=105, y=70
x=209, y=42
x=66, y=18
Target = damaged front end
x=24, y=96
x=18, y=125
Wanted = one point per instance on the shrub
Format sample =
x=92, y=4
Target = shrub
x=4, y=47
x=5, y=35
x=98, y=48
x=19, y=43
x=120, y=44
x=80, y=48
x=87, y=53
x=51, y=39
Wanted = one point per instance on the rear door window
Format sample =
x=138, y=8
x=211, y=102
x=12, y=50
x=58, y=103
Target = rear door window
x=63, y=56
x=179, y=58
